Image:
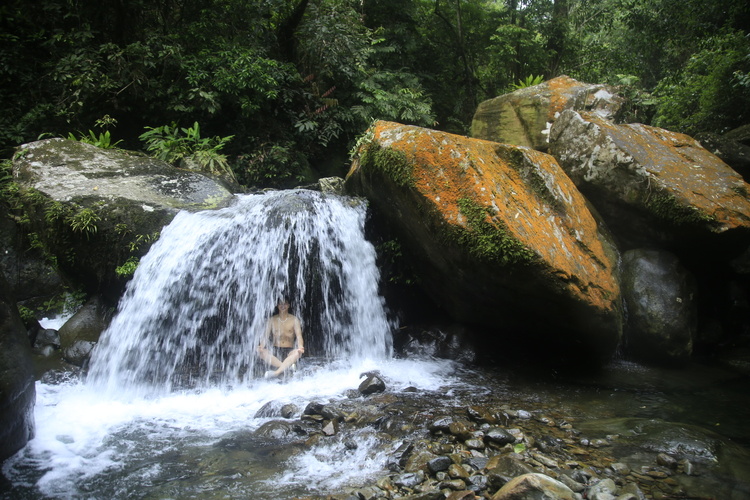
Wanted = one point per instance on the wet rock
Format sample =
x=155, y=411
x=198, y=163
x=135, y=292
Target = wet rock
x=514, y=224
x=499, y=436
x=441, y=424
x=523, y=117
x=536, y=486
x=81, y=332
x=372, y=384
x=439, y=464
x=398, y=458
x=331, y=428
x=275, y=429
x=408, y=479
x=660, y=296
x=666, y=461
x=17, y=391
x=605, y=489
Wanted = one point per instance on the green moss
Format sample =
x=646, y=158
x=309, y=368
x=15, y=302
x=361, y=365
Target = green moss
x=666, y=207
x=391, y=162
x=487, y=242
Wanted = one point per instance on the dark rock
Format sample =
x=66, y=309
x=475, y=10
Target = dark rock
x=17, y=392
x=660, y=296
x=499, y=436
x=274, y=429
x=438, y=464
x=80, y=333
x=372, y=384
x=441, y=424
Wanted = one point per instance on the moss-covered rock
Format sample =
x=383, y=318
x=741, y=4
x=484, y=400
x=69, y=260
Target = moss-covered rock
x=93, y=210
x=523, y=117
x=651, y=185
x=499, y=235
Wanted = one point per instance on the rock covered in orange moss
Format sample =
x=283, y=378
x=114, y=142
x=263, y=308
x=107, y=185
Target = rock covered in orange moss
x=523, y=117
x=501, y=236
x=650, y=184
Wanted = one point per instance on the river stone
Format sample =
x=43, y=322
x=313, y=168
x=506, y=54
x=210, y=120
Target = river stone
x=660, y=297
x=274, y=429
x=496, y=231
x=17, y=392
x=132, y=195
x=81, y=332
x=371, y=385
x=606, y=489
x=523, y=117
x=650, y=184
x=534, y=486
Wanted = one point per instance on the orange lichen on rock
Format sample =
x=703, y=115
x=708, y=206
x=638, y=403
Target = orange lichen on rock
x=674, y=167
x=526, y=197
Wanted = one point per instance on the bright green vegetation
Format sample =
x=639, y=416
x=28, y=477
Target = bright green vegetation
x=296, y=81
x=488, y=242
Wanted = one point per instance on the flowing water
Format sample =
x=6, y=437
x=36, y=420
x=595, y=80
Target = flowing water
x=173, y=403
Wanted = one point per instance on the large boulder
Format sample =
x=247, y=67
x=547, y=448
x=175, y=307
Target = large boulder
x=651, y=185
x=96, y=208
x=660, y=299
x=523, y=117
x=17, y=392
x=501, y=237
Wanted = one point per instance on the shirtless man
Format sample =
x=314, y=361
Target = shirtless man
x=284, y=331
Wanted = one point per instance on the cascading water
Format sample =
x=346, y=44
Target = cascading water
x=174, y=384
x=199, y=301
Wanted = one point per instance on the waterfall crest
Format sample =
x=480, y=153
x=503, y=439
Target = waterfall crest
x=198, y=303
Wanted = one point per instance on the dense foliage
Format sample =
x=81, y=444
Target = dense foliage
x=295, y=81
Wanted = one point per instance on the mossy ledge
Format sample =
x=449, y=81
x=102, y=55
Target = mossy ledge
x=488, y=242
x=391, y=162
x=666, y=207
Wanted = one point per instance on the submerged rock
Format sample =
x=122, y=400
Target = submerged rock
x=523, y=117
x=499, y=233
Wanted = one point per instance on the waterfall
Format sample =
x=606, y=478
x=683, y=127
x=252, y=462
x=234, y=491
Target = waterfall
x=199, y=301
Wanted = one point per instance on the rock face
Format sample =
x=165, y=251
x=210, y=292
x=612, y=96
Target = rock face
x=660, y=298
x=17, y=393
x=98, y=207
x=499, y=232
x=651, y=185
x=81, y=332
x=523, y=117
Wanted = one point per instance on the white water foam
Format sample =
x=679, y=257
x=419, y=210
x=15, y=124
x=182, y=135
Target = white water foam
x=83, y=434
x=175, y=373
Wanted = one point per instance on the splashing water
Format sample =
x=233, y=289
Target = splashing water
x=199, y=301
x=169, y=407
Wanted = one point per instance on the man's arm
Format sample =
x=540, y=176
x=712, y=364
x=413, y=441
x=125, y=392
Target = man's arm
x=298, y=335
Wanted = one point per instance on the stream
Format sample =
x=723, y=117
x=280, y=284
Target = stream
x=174, y=404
